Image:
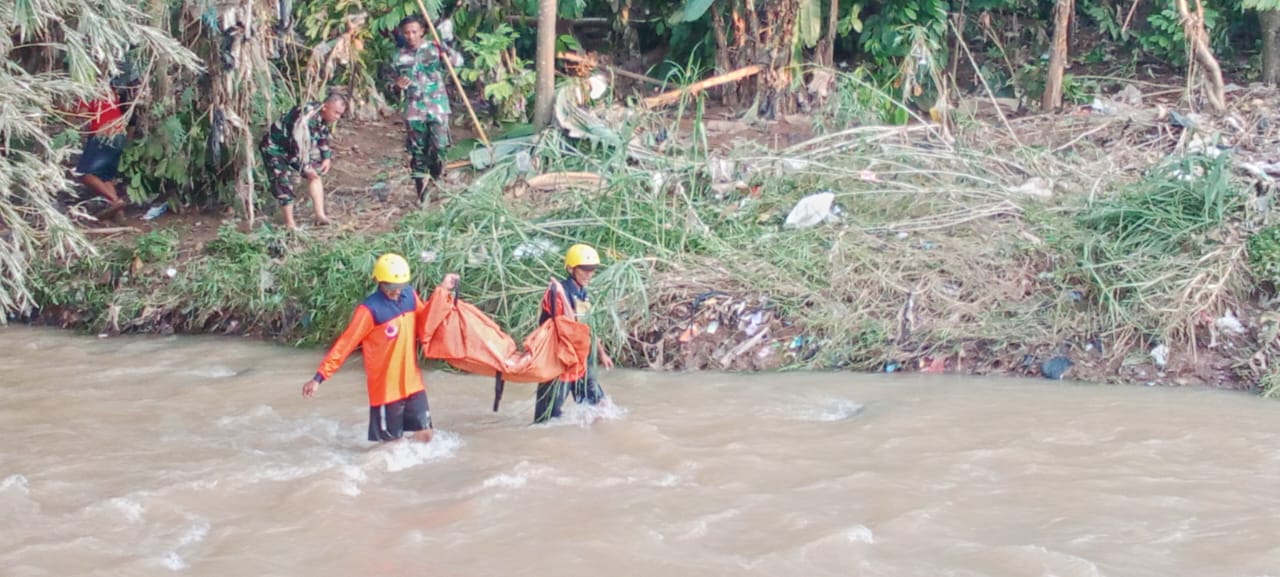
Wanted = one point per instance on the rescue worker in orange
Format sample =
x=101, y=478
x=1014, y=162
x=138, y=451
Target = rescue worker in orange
x=581, y=261
x=388, y=327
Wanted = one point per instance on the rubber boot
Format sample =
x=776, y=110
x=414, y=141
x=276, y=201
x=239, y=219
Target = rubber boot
x=420, y=186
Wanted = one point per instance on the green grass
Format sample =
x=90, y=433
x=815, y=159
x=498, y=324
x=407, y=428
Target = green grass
x=929, y=259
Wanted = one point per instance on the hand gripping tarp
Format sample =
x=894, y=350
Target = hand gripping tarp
x=460, y=334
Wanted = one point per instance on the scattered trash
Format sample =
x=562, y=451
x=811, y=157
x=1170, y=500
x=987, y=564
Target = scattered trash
x=1160, y=355
x=1228, y=323
x=534, y=248
x=1101, y=107
x=266, y=280
x=1130, y=95
x=689, y=334
x=1053, y=369
x=890, y=367
x=754, y=323
x=524, y=162
x=598, y=85
x=1199, y=144
x=429, y=256
x=713, y=326
x=155, y=211
x=868, y=176
x=657, y=181
x=795, y=164
x=812, y=210
x=1180, y=120
x=1035, y=187
x=936, y=365
x=171, y=272
x=927, y=245
x=380, y=191
x=1073, y=295
x=903, y=235
x=103, y=335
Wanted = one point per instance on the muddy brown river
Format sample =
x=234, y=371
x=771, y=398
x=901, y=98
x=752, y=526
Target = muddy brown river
x=197, y=456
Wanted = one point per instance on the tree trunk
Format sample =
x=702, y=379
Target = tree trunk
x=729, y=96
x=545, y=64
x=1198, y=39
x=827, y=48
x=1270, y=24
x=1052, y=99
x=772, y=86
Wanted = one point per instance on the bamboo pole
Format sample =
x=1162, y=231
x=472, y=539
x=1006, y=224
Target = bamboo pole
x=449, y=65
x=592, y=62
x=669, y=97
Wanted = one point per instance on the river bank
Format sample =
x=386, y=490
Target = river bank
x=1108, y=244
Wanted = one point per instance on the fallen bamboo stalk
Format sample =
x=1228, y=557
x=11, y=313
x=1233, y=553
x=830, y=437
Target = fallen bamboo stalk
x=675, y=95
x=592, y=62
x=558, y=180
x=110, y=230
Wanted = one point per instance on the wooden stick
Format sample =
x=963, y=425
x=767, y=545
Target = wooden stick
x=110, y=230
x=571, y=57
x=985, y=86
x=449, y=65
x=675, y=95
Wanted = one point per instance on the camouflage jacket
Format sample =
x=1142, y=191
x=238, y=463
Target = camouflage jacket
x=425, y=97
x=284, y=136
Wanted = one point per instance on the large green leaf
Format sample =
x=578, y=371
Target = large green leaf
x=809, y=22
x=1262, y=4
x=691, y=11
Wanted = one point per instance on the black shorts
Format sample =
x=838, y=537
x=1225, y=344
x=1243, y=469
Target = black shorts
x=101, y=156
x=389, y=422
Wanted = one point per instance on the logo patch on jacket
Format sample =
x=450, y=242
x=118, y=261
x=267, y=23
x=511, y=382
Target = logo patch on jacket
x=392, y=331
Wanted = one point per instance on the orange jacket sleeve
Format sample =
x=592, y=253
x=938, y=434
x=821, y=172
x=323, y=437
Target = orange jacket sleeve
x=359, y=327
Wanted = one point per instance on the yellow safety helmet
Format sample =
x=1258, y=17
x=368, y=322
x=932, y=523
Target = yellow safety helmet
x=392, y=269
x=581, y=255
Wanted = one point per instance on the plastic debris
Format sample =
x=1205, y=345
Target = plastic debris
x=754, y=323
x=1228, y=323
x=1130, y=95
x=1160, y=355
x=534, y=248
x=155, y=211
x=890, y=367
x=598, y=85
x=1055, y=368
x=712, y=327
x=171, y=272
x=1102, y=107
x=811, y=210
x=1035, y=187
x=795, y=164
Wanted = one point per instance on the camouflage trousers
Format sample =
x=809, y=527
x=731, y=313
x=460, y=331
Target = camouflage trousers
x=281, y=169
x=426, y=142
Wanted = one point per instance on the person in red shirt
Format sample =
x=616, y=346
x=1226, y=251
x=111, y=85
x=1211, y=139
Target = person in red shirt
x=387, y=326
x=100, y=162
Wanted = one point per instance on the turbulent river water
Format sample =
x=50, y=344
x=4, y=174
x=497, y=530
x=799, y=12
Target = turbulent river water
x=193, y=456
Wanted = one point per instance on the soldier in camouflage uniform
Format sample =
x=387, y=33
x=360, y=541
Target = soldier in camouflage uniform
x=418, y=71
x=301, y=132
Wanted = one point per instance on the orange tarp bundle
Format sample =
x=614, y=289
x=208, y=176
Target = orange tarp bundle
x=463, y=336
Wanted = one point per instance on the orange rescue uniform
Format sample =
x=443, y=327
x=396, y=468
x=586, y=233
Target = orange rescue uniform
x=388, y=333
